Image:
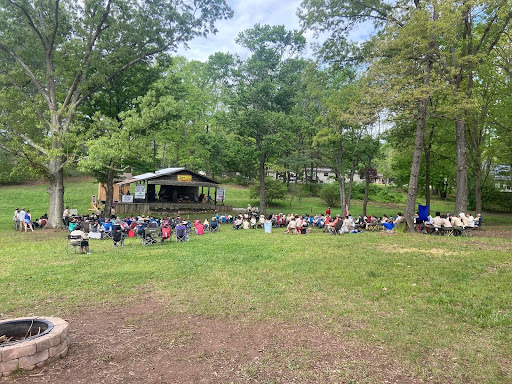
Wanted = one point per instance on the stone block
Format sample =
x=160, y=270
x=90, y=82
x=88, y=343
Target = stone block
x=64, y=333
x=58, y=349
x=18, y=350
x=64, y=352
x=29, y=362
x=47, y=341
x=6, y=367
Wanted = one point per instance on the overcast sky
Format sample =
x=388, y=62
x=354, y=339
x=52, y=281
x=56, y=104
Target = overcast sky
x=246, y=14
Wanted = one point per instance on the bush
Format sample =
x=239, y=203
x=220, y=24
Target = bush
x=311, y=189
x=376, y=193
x=330, y=193
x=274, y=190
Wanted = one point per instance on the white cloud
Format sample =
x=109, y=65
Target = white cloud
x=247, y=13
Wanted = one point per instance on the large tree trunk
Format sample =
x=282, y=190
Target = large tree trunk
x=56, y=192
x=261, y=174
x=109, y=196
x=412, y=191
x=461, y=196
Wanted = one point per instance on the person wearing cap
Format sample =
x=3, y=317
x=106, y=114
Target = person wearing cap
x=83, y=241
x=72, y=225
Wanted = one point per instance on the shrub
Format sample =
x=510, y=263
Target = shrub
x=274, y=190
x=330, y=193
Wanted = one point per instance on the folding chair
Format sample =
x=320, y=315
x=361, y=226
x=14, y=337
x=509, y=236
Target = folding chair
x=166, y=233
x=117, y=238
x=214, y=226
x=152, y=236
x=74, y=242
x=181, y=233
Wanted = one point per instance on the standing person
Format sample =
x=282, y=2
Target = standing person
x=22, y=219
x=328, y=211
x=28, y=221
x=65, y=216
x=16, y=219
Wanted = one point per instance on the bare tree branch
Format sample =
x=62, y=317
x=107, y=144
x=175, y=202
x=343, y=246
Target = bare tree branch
x=81, y=74
x=42, y=37
x=29, y=73
x=27, y=139
x=56, y=26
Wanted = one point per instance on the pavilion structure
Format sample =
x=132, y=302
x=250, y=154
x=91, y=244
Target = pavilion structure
x=168, y=190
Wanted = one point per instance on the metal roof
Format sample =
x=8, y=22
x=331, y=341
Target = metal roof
x=160, y=172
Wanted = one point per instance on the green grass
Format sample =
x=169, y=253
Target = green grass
x=442, y=305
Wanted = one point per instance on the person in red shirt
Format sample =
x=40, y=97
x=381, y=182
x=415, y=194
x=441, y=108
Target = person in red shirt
x=328, y=211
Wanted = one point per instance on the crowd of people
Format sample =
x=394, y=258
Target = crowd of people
x=448, y=221
x=23, y=220
x=97, y=227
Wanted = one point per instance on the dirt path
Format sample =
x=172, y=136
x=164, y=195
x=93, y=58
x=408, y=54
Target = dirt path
x=143, y=343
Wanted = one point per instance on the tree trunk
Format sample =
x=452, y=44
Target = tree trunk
x=416, y=163
x=366, y=186
x=109, y=196
x=478, y=186
x=428, y=151
x=341, y=182
x=56, y=192
x=350, y=184
x=262, y=184
x=461, y=196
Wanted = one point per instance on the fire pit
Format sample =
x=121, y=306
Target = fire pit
x=27, y=343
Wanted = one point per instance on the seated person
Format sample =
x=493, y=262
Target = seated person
x=246, y=224
x=237, y=223
x=347, y=225
x=304, y=227
x=456, y=221
x=399, y=219
x=206, y=224
x=199, y=228
x=470, y=221
x=107, y=226
x=253, y=221
x=445, y=222
x=388, y=226
x=214, y=224
x=292, y=226
x=181, y=230
x=437, y=221
x=478, y=220
x=83, y=241
x=72, y=225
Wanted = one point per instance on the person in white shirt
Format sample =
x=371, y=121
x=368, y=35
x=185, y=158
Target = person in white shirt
x=22, y=219
x=83, y=241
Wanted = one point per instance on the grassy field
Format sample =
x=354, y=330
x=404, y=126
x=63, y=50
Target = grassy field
x=442, y=305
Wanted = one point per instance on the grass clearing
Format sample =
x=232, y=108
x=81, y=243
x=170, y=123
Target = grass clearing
x=442, y=305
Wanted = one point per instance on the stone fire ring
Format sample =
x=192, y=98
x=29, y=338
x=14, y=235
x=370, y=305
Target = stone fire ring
x=35, y=352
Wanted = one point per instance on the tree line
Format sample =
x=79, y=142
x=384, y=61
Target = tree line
x=95, y=85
